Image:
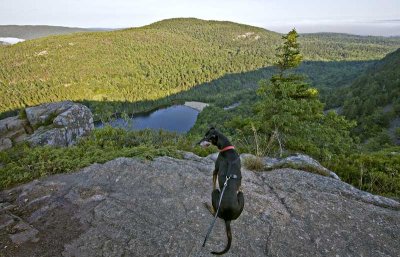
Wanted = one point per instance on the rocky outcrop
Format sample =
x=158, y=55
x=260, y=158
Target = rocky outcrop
x=5, y=143
x=57, y=124
x=298, y=161
x=45, y=113
x=132, y=207
x=13, y=130
x=198, y=106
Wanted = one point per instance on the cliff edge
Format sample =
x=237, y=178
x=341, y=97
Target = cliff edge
x=132, y=207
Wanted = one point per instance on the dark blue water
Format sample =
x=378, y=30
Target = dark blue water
x=176, y=118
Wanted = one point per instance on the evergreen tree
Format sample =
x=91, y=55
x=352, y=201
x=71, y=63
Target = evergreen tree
x=291, y=113
x=288, y=53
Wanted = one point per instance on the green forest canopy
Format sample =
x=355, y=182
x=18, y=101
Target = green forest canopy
x=154, y=61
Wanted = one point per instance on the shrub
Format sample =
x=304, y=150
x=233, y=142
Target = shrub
x=254, y=163
x=23, y=163
x=376, y=172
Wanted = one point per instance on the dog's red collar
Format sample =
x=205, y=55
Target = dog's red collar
x=227, y=148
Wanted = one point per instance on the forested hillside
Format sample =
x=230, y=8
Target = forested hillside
x=374, y=101
x=154, y=61
x=320, y=46
x=286, y=116
x=278, y=110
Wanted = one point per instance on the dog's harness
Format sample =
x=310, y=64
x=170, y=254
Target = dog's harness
x=219, y=205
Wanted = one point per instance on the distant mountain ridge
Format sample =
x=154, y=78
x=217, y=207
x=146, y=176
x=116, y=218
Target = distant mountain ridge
x=38, y=31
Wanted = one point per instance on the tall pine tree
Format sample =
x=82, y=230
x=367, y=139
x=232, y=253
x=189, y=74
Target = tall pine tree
x=291, y=113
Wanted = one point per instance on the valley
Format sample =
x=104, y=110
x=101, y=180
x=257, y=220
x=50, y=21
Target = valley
x=155, y=61
x=127, y=72
x=137, y=128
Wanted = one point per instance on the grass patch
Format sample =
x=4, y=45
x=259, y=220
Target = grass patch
x=254, y=163
x=304, y=167
x=24, y=163
x=22, y=114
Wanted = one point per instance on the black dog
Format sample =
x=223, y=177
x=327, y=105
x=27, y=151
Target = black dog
x=227, y=165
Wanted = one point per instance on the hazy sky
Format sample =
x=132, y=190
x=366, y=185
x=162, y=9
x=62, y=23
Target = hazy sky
x=377, y=17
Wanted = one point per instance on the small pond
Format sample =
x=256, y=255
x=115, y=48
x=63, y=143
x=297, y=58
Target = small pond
x=176, y=118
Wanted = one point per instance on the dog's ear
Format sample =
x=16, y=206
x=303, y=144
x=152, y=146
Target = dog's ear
x=212, y=128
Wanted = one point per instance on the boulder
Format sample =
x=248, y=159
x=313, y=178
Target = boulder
x=133, y=207
x=12, y=127
x=5, y=143
x=45, y=113
x=71, y=122
x=57, y=124
x=44, y=136
x=77, y=116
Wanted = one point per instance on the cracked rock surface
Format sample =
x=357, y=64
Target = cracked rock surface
x=131, y=207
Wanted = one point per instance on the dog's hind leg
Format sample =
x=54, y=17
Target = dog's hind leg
x=240, y=197
x=215, y=195
x=214, y=200
x=209, y=208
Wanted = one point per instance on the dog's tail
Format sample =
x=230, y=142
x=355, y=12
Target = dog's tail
x=229, y=235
